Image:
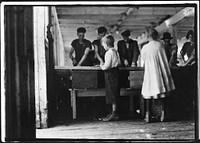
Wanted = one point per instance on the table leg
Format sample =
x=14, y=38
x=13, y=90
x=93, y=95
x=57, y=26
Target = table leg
x=73, y=103
x=142, y=106
x=131, y=104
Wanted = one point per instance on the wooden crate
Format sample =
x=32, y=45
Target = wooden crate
x=84, y=79
x=136, y=79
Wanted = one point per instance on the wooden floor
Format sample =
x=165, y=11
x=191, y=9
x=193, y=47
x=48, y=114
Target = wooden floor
x=124, y=129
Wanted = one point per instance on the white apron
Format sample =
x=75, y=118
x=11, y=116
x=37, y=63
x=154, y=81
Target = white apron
x=157, y=76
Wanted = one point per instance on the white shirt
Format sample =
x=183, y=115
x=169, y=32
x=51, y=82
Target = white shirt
x=111, y=59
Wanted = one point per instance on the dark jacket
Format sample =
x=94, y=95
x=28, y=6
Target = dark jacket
x=130, y=53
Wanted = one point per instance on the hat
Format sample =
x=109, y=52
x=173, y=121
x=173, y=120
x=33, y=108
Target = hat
x=126, y=33
x=166, y=35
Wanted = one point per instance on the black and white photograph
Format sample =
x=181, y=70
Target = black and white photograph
x=100, y=71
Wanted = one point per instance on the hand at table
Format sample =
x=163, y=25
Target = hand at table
x=133, y=65
x=182, y=65
x=74, y=62
x=97, y=65
x=126, y=63
x=101, y=65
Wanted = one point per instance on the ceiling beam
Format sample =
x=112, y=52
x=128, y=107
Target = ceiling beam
x=122, y=18
x=90, y=10
x=183, y=13
x=100, y=17
x=66, y=17
x=186, y=12
x=115, y=10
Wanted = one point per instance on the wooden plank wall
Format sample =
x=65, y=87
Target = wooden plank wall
x=58, y=41
x=19, y=75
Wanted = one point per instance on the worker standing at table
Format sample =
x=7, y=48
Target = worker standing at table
x=190, y=68
x=158, y=80
x=189, y=50
x=128, y=50
x=111, y=71
x=170, y=49
x=98, y=48
x=82, y=48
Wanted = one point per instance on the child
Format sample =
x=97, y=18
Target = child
x=111, y=72
x=158, y=82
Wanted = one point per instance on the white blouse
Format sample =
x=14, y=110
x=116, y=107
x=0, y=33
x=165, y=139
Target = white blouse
x=111, y=59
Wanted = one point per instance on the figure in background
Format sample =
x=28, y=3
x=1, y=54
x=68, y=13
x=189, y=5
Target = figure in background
x=98, y=48
x=190, y=67
x=189, y=50
x=128, y=50
x=170, y=49
x=158, y=80
x=99, y=56
x=111, y=72
x=82, y=48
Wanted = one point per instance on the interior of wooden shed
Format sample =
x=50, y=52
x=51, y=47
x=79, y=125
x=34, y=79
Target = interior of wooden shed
x=37, y=103
x=118, y=18
x=176, y=19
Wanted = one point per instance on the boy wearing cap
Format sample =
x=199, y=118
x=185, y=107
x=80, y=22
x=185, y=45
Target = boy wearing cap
x=128, y=50
x=170, y=49
x=81, y=47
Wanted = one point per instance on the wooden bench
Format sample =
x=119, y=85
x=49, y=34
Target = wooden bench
x=75, y=93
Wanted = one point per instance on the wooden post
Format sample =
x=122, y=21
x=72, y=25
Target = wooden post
x=197, y=133
x=50, y=72
x=40, y=66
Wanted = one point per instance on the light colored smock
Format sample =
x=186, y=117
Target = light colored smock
x=157, y=76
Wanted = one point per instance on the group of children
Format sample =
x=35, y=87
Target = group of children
x=157, y=57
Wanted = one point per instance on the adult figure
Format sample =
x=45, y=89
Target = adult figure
x=189, y=50
x=128, y=50
x=81, y=47
x=98, y=48
x=170, y=49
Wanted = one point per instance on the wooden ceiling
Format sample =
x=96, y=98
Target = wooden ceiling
x=92, y=17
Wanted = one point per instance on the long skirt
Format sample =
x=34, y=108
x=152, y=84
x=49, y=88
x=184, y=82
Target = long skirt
x=112, y=88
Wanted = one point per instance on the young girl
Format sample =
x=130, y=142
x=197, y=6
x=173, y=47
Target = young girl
x=158, y=82
x=111, y=72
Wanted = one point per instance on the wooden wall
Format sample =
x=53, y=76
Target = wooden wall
x=19, y=73
x=59, y=52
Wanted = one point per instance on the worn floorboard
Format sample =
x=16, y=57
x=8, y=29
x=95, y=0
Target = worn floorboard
x=125, y=129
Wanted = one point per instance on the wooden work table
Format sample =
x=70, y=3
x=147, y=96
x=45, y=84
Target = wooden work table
x=88, y=81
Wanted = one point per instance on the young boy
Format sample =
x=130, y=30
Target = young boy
x=99, y=50
x=111, y=72
x=82, y=48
